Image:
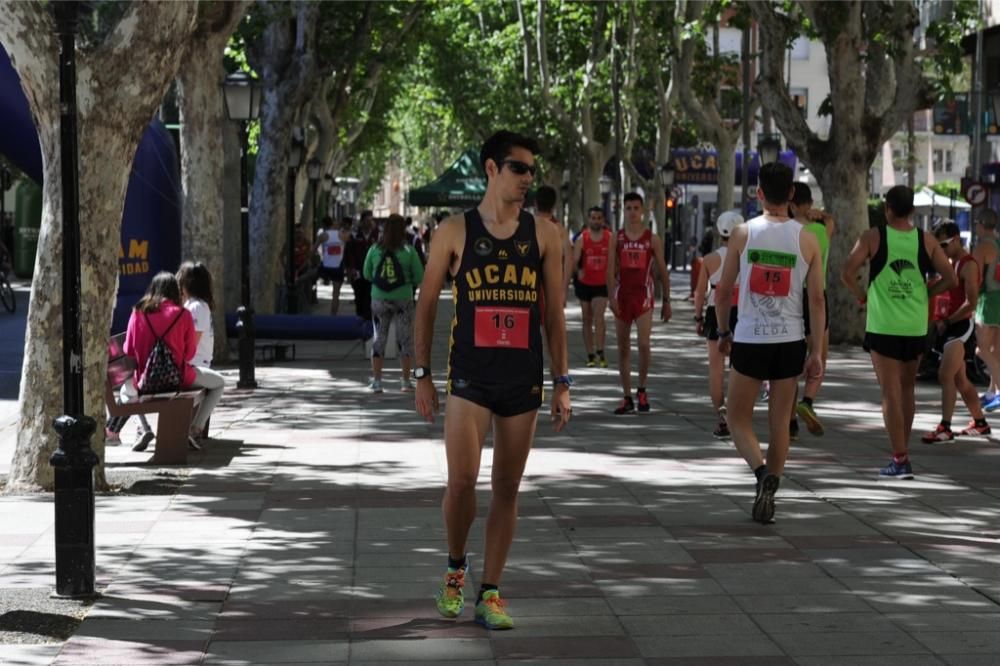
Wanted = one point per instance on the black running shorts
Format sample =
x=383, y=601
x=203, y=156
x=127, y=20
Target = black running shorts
x=805, y=310
x=501, y=399
x=960, y=332
x=587, y=292
x=771, y=361
x=903, y=348
x=712, y=322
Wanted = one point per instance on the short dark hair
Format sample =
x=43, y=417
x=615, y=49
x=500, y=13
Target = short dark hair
x=367, y=213
x=802, y=194
x=946, y=229
x=545, y=199
x=327, y=221
x=498, y=146
x=632, y=196
x=899, y=200
x=775, y=182
x=595, y=209
x=346, y=223
x=194, y=278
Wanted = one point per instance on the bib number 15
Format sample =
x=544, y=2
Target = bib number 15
x=770, y=280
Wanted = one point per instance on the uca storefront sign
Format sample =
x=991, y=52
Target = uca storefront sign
x=701, y=167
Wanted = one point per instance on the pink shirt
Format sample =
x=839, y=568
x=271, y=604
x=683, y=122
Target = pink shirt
x=139, y=340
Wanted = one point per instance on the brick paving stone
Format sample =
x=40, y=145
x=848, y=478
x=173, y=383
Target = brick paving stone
x=222, y=652
x=576, y=647
x=711, y=645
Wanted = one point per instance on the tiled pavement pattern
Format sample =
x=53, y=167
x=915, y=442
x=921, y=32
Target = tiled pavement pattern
x=311, y=534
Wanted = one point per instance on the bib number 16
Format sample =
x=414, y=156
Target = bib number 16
x=502, y=327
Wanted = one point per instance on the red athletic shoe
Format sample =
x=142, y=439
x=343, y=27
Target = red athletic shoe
x=939, y=434
x=643, y=401
x=972, y=430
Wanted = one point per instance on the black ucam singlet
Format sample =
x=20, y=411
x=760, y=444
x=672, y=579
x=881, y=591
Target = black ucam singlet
x=495, y=335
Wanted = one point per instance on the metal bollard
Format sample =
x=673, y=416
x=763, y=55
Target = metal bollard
x=246, y=346
x=74, y=463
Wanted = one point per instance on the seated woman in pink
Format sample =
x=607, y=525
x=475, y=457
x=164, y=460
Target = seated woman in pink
x=158, y=315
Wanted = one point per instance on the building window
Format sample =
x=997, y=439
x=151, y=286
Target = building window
x=800, y=49
x=943, y=160
x=800, y=97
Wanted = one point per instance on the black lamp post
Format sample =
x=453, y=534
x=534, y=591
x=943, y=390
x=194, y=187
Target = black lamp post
x=313, y=168
x=74, y=460
x=242, y=97
x=668, y=174
x=328, y=188
x=294, y=160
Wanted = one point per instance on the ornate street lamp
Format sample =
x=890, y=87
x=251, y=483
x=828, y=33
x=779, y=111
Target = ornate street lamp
x=242, y=96
x=669, y=174
x=768, y=148
x=74, y=460
x=606, y=184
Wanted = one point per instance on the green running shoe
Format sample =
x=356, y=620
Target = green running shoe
x=808, y=414
x=491, y=612
x=450, y=598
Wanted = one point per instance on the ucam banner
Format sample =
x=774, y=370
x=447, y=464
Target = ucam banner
x=701, y=167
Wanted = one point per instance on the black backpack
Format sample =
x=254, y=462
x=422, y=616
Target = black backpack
x=389, y=273
x=161, y=374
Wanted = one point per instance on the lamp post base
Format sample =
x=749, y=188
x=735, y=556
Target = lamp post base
x=74, y=463
x=247, y=343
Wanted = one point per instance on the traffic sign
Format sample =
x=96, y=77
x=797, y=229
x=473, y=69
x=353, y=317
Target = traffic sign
x=975, y=193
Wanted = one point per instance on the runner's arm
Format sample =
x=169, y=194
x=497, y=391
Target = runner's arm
x=661, y=266
x=612, y=274
x=708, y=267
x=970, y=273
x=730, y=271
x=941, y=265
x=814, y=285
x=578, y=250
x=438, y=264
x=863, y=250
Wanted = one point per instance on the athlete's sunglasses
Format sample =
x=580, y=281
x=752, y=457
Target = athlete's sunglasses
x=519, y=168
x=946, y=243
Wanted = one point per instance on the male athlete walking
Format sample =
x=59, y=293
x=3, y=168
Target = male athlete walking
x=499, y=259
x=630, y=288
x=590, y=255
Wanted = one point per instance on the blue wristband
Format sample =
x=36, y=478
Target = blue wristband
x=563, y=379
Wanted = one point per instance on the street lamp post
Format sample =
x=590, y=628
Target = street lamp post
x=313, y=168
x=327, y=194
x=294, y=160
x=668, y=173
x=74, y=460
x=242, y=98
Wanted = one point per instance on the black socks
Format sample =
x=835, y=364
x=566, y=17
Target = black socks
x=483, y=589
x=760, y=472
x=807, y=400
x=460, y=563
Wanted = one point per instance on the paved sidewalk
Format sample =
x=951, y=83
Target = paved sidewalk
x=310, y=533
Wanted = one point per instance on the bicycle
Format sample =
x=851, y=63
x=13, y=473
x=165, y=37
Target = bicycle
x=7, y=296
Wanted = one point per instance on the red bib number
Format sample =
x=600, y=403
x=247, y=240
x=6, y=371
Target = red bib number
x=502, y=327
x=770, y=280
x=942, y=306
x=333, y=250
x=634, y=258
x=597, y=262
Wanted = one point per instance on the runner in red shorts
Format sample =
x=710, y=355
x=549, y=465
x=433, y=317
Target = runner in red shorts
x=630, y=294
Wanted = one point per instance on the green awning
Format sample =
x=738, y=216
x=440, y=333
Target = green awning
x=462, y=184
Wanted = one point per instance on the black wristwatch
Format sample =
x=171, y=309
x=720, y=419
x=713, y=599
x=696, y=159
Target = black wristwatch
x=725, y=334
x=421, y=372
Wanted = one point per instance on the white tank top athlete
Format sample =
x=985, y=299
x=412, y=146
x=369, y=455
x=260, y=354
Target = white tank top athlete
x=772, y=272
x=713, y=279
x=332, y=249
